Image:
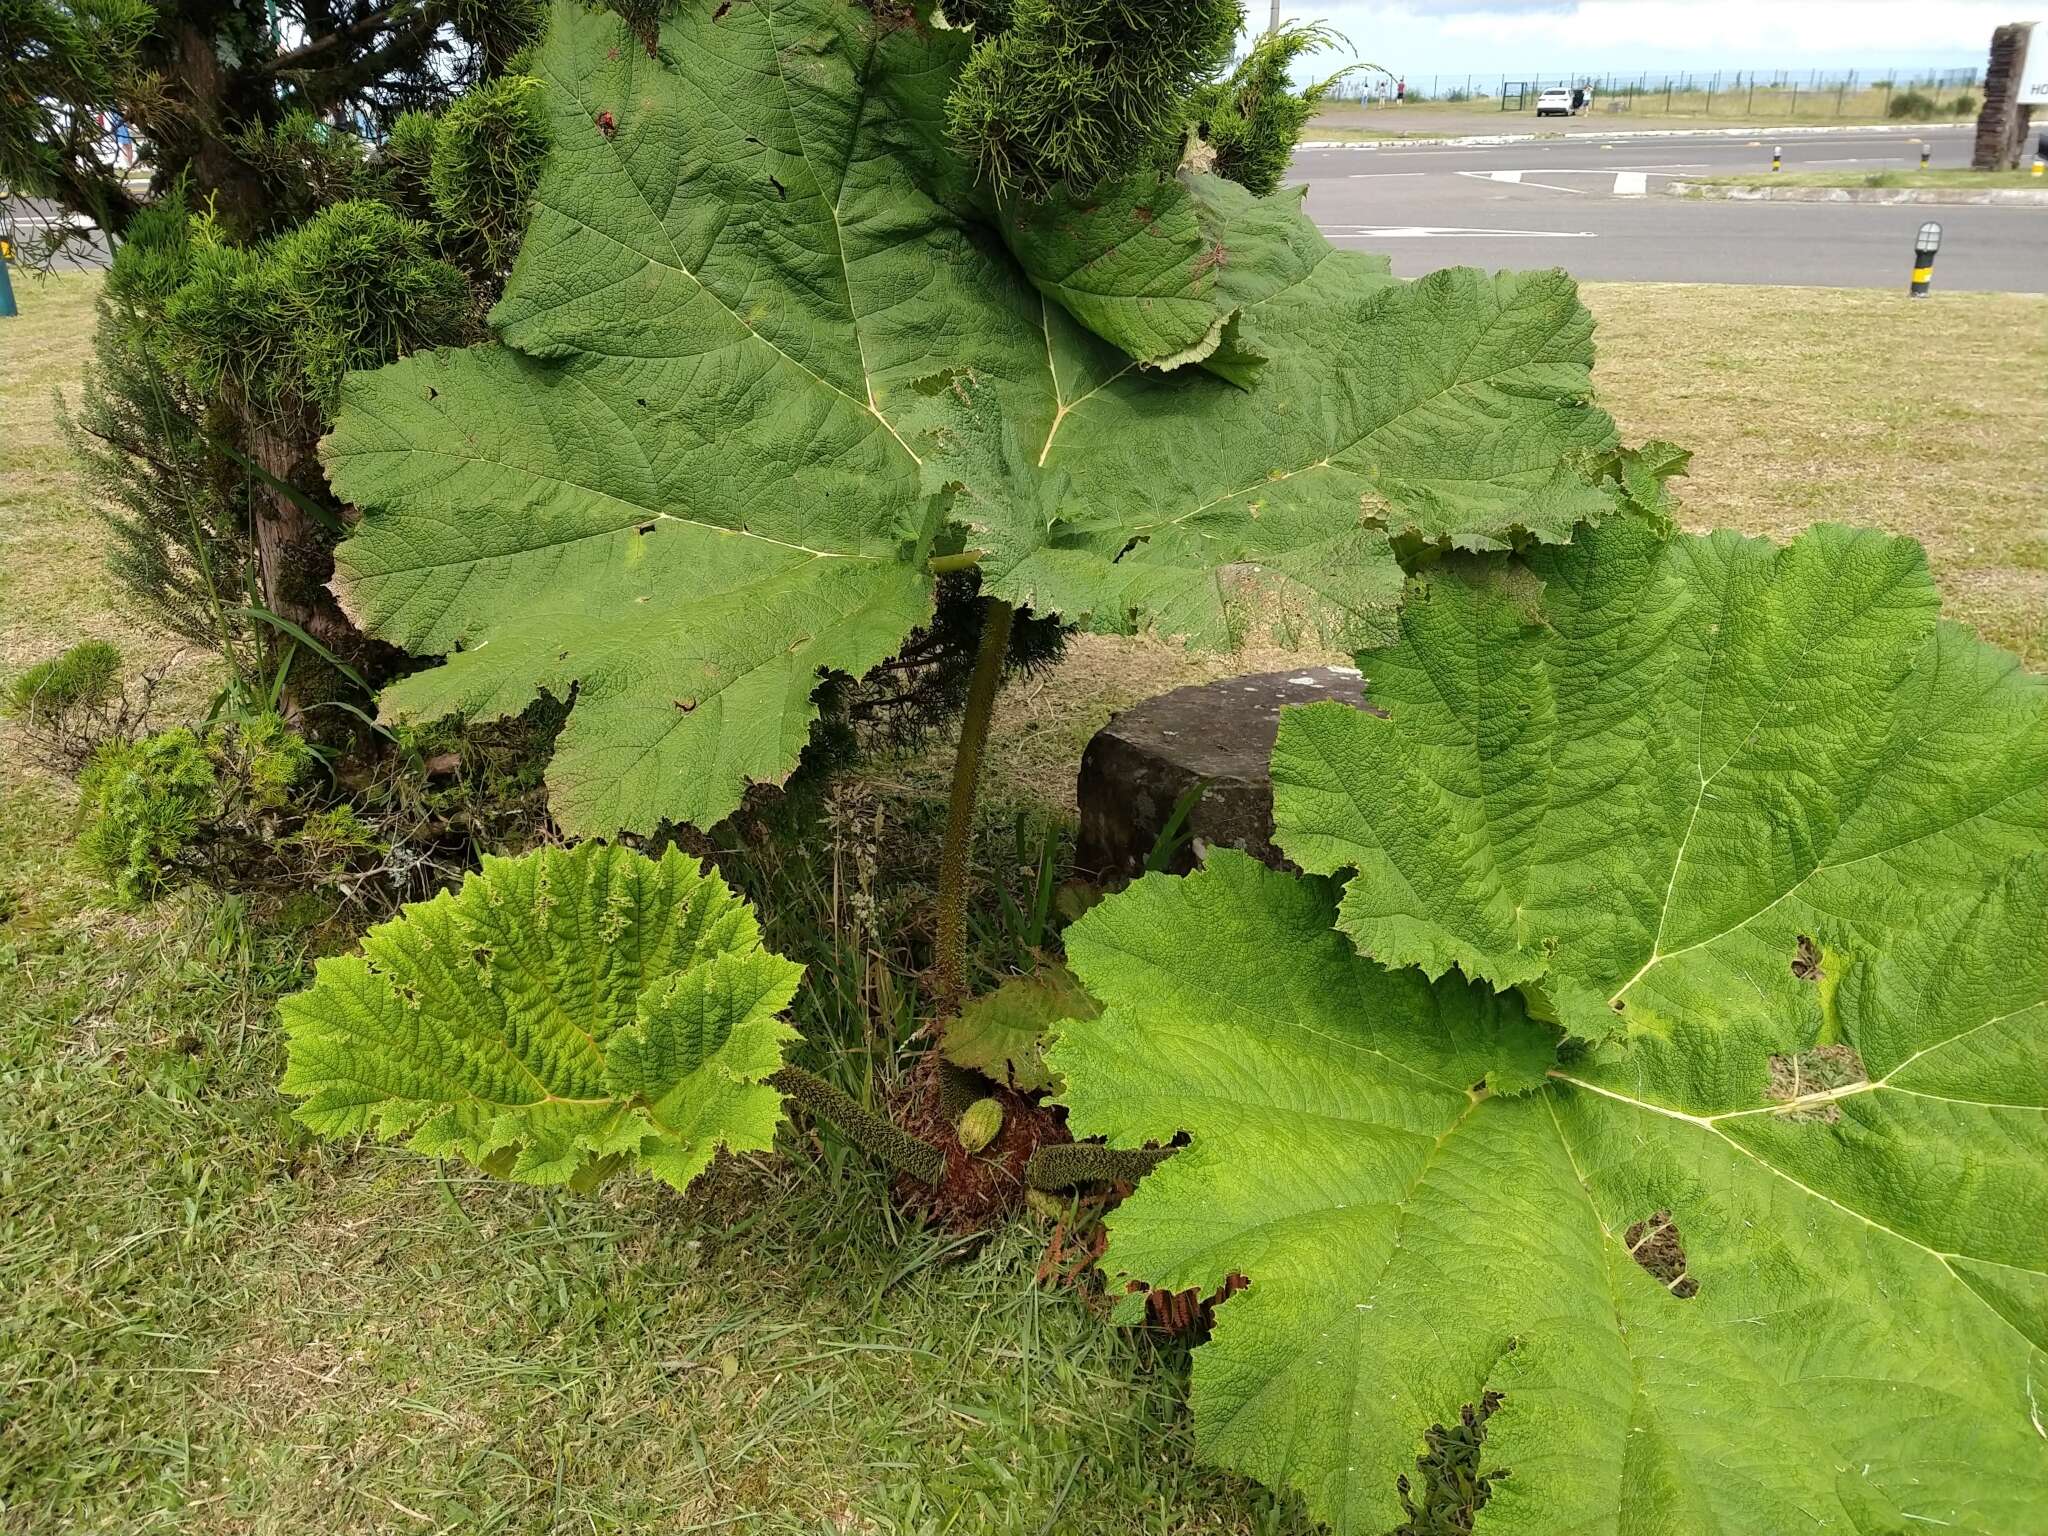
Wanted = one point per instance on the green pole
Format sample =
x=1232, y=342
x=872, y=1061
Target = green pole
x=7, y=309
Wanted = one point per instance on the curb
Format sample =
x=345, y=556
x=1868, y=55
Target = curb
x=1479, y=140
x=1991, y=197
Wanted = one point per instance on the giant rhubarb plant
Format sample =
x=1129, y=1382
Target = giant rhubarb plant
x=1665, y=1094
x=769, y=356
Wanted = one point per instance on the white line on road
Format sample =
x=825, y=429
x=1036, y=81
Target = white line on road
x=1514, y=178
x=1631, y=183
x=1381, y=175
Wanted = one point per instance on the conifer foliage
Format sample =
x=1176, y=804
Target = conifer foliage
x=1074, y=94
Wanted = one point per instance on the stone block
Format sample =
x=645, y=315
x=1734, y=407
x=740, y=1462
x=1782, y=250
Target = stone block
x=1139, y=765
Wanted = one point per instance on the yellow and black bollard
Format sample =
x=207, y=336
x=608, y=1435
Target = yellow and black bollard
x=1926, y=154
x=1924, y=247
x=1777, y=159
x=2040, y=166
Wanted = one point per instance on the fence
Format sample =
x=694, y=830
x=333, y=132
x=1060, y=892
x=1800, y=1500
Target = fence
x=1758, y=94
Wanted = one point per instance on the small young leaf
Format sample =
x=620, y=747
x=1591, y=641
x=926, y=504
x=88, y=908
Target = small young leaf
x=1003, y=1035
x=562, y=1014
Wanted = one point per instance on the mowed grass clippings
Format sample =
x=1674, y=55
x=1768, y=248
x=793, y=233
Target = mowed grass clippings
x=212, y=1323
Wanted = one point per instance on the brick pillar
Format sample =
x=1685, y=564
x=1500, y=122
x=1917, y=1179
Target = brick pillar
x=2002, y=125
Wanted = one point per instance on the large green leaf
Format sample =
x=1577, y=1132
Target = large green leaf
x=563, y=1014
x=1766, y=1248
x=760, y=329
x=1650, y=778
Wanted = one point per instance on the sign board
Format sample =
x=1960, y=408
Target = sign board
x=2033, y=81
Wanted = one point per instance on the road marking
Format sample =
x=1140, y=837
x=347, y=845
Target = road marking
x=1629, y=181
x=1381, y=175
x=1437, y=232
x=1514, y=178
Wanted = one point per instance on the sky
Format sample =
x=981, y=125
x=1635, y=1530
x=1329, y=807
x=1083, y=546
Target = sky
x=1591, y=37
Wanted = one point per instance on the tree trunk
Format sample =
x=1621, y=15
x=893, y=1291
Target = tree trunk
x=205, y=103
x=294, y=563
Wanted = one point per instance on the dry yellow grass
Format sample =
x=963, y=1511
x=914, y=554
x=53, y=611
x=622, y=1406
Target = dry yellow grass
x=52, y=586
x=1925, y=417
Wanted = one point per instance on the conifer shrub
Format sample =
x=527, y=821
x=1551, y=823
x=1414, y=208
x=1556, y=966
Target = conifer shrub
x=1072, y=92
x=360, y=285
x=141, y=805
x=406, y=158
x=486, y=157
x=83, y=678
x=66, y=708
x=1253, y=117
x=279, y=325
x=304, y=165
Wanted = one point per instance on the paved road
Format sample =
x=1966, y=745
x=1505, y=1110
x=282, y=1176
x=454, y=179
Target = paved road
x=1597, y=207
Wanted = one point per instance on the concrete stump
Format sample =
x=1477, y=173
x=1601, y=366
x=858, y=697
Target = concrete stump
x=1139, y=765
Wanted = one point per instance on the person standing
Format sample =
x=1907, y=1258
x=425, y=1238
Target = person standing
x=1401, y=92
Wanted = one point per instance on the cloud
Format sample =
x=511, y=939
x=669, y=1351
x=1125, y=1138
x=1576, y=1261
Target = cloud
x=1810, y=27
x=1487, y=36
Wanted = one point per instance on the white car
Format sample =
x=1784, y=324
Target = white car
x=1558, y=103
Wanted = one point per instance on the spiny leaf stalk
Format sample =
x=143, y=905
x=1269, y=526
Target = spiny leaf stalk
x=873, y=1133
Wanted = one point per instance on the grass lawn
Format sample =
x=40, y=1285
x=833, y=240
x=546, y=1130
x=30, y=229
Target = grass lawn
x=1969, y=180
x=211, y=1323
